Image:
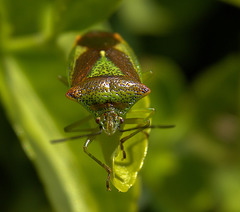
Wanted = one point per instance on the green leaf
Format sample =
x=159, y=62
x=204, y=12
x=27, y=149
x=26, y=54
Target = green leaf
x=35, y=127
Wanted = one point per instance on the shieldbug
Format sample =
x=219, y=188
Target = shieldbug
x=106, y=79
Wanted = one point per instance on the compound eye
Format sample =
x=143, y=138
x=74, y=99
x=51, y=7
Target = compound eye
x=121, y=120
x=98, y=120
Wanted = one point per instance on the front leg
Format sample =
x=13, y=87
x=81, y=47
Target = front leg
x=74, y=126
x=107, y=168
x=142, y=123
x=137, y=129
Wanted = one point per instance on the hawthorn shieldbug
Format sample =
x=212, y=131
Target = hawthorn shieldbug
x=105, y=77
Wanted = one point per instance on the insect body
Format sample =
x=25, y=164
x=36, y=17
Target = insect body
x=105, y=78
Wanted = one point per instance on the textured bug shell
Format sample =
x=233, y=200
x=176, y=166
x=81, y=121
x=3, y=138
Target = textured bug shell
x=104, y=74
x=108, y=92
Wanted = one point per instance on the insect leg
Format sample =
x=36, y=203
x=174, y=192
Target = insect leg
x=147, y=112
x=139, y=129
x=107, y=168
x=72, y=127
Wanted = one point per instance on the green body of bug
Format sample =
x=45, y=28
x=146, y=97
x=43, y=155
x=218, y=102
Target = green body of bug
x=105, y=78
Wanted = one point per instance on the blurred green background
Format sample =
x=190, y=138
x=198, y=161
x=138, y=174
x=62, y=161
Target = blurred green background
x=192, y=47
